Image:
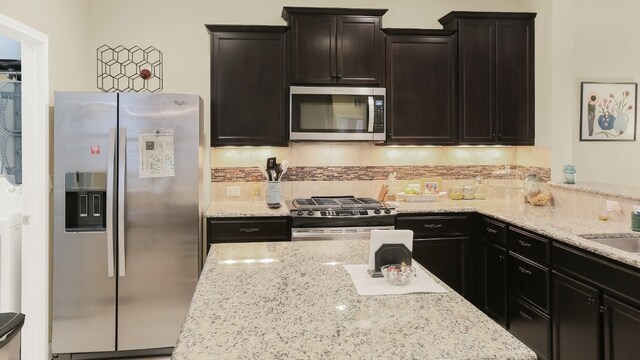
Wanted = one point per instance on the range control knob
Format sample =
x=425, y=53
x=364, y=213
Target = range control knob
x=310, y=212
x=376, y=211
x=387, y=211
x=300, y=213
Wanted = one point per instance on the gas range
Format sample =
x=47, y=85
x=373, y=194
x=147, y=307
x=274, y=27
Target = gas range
x=339, y=217
x=339, y=206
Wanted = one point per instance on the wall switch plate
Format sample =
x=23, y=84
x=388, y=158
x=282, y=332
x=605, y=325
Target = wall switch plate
x=233, y=191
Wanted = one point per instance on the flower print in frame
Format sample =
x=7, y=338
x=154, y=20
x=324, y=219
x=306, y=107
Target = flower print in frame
x=608, y=111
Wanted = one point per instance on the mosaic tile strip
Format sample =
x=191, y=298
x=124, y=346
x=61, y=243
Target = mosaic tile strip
x=362, y=173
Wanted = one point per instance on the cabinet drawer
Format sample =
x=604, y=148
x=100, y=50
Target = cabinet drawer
x=529, y=245
x=493, y=230
x=244, y=230
x=531, y=326
x=529, y=280
x=435, y=225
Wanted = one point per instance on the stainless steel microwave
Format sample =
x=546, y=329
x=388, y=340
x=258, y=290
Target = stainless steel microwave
x=337, y=113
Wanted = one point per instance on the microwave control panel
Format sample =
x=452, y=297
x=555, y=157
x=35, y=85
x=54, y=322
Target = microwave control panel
x=378, y=114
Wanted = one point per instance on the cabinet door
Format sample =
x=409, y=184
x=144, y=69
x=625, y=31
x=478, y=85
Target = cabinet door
x=477, y=81
x=515, y=81
x=448, y=259
x=248, y=88
x=494, y=278
x=621, y=329
x=358, y=55
x=313, y=58
x=421, y=107
x=575, y=317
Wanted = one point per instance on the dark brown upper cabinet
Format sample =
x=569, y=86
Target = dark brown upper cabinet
x=249, y=81
x=421, y=87
x=496, y=76
x=335, y=46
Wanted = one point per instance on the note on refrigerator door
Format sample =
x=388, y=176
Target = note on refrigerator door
x=156, y=153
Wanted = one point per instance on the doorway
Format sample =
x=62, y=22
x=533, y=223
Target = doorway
x=35, y=185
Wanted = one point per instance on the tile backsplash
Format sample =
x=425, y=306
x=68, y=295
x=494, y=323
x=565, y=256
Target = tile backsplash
x=360, y=168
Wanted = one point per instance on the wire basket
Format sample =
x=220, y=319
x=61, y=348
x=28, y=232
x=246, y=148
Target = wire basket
x=11, y=130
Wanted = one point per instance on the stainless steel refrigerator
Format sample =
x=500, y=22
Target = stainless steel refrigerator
x=127, y=207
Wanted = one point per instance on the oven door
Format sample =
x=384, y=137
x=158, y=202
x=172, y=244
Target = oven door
x=335, y=233
x=337, y=113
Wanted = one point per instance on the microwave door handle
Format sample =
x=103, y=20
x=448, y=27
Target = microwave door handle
x=371, y=114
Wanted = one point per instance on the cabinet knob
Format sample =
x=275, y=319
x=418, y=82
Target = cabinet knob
x=590, y=301
x=333, y=76
x=339, y=76
x=432, y=226
x=501, y=257
x=492, y=231
x=249, y=230
x=603, y=308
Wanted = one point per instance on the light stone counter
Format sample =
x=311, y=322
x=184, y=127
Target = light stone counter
x=553, y=222
x=243, y=208
x=294, y=300
x=599, y=188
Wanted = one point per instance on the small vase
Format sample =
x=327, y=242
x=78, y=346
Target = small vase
x=622, y=123
x=606, y=121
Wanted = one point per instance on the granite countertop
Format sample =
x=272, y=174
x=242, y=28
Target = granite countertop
x=553, y=222
x=294, y=300
x=243, y=209
x=621, y=191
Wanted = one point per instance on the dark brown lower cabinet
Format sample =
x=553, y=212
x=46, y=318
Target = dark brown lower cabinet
x=531, y=326
x=494, y=278
x=621, y=329
x=447, y=258
x=247, y=229
x=576, y=318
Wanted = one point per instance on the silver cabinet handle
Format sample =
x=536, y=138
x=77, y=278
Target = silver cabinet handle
x=492, y=231
x=525, y=315
x=249, y=230
x=524, y=243
x=432, y=226
x=122, y=187
x=111, y=168
x=524, y=271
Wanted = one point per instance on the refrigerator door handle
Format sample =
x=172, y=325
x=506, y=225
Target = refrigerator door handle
x=111, y=168
x=122, y=186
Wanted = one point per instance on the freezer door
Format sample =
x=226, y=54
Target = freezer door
x=158, y=254
x=84, y=295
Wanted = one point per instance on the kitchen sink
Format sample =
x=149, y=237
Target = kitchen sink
x=628, y=244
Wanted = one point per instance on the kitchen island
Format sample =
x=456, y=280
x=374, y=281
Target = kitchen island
x=294, y=300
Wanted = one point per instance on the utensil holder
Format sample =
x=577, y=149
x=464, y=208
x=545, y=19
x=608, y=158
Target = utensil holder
x=274, y=194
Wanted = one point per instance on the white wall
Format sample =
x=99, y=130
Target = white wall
x=605, y=47
x=66, y=22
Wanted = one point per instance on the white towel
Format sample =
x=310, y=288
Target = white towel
x=368, y=286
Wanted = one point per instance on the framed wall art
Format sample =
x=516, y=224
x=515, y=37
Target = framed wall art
x=608, y=111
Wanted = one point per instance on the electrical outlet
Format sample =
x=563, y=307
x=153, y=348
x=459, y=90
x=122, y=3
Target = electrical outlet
x=613, y=205
x=233, y=191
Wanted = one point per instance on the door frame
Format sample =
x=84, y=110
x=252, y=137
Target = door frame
x=36, y=186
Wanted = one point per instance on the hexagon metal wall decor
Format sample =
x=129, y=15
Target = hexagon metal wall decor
x=129, y=69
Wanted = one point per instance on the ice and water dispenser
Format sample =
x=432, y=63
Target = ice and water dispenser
x=85, y=201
